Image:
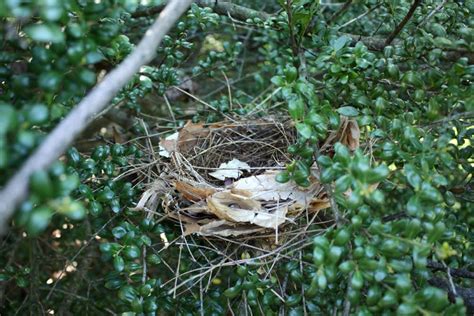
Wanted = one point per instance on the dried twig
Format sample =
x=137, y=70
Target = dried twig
x=360, y=16
x=341, y=10
x=439, y=7
x=461, y=273
x=400, y=26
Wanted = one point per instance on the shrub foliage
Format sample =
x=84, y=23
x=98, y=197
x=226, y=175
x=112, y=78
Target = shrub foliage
x=400, y=239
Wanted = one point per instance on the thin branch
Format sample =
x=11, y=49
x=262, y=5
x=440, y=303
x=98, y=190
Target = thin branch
x=294, y=44
x=341, y=10
x=220, y=7
x=360, y=16
x=461, y=273
x=439, y=7
x=400, y=26
x=81, y=116
x=376, y=43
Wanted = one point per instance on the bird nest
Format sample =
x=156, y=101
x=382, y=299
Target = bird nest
x=219, y=179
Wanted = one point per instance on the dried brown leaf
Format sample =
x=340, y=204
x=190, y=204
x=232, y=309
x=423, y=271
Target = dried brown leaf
x=189, y=136
x=193, y=193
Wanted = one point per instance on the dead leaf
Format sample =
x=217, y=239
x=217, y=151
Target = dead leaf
x=265, y=187
x=183, y=140
x=187, y=84
x=351, y=137
x=168, y=145
x=233, y=207
x=242, y=209
x=193, y=193
x=271, y=219
x=189, y=136
x=348, y=134
x=221, y=228
x=150, y=198
x=231, y=169
x=317, y=205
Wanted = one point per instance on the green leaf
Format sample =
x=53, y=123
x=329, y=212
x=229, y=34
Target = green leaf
x=50, y=80
x=335, y=254
x=7, y=118
x=278, y=81
x=87, y=77
x=347, y=266
x=430, y=193
x=39, y=220
x=119, y=264
x=342, y=237
x=412, y=176
x=342, y=153
x=119, y=232
x=233, y=291
x=357, y=280
x=324, y=161
x=343, y=183
x=153, y=259
x=94, y=57
x=318, y=256
x=132, y=252
x=373, y=295
x=377, y=174
x=307, y=90
x=327, y=175
x=291, y=73
x=296, y=108
x=340, y=42
x=414, y=207
x=282, y=177
x=322, y=281
x=304, y=130
x=45, y=33
x=127, y=293
x=40, y=183
x=442, y=42
x=95, y=208
x=403, y=283
x=348, y=111
x=318, y=122
x=413, y=78
x=74, y=210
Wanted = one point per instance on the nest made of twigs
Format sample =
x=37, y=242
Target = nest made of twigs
x=243, y=199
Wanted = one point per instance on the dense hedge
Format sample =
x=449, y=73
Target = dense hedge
x=401, y=239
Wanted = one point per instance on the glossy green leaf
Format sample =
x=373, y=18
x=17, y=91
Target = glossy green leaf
x=45, y=33
x=348, y=111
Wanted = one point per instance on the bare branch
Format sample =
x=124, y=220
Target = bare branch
x=461, y=273
x=360, y=16
x=221, y=7
x=338, y=13
x=82, y=115
x=400, y=26
x=377, y=43
x=439, y=7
